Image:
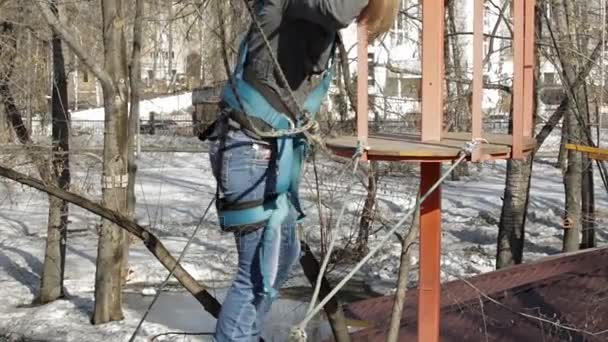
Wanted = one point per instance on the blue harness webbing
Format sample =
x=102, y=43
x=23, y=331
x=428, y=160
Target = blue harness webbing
x=291, y=150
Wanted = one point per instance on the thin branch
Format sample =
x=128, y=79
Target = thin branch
x=60, y=28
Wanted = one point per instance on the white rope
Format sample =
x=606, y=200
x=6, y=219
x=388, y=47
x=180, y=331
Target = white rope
x=298, y=333
x=332, y=243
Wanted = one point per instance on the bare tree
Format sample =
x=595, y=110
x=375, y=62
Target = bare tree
x=566, y=33
x=511, y=234
x=113, y=79
x=54, y=258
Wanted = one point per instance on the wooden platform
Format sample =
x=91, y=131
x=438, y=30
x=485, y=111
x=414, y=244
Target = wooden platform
x=408, y=147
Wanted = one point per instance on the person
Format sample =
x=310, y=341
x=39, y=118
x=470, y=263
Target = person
x=258, y=173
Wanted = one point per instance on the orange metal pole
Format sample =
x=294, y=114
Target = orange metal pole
x=477, y=128
x=429, y=293
x=529, y=60
x=362, y=85
x=518, y=78
x=433, y=12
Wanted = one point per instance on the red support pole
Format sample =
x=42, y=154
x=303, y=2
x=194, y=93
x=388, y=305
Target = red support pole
x=362, y=85
x=433, y=12
x=429, y=288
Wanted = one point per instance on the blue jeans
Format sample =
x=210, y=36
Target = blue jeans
x=243, y=169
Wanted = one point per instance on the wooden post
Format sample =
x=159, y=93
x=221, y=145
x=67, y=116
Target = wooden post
x=433, y=22
x=518, y=78
x=477, y=128
x=429, y=288
x=529, y=60
x=362, y=85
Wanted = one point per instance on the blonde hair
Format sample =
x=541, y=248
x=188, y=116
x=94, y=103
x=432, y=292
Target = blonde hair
x=380, y=16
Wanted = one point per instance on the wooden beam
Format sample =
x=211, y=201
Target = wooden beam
x=529, y=60
x=433, y=12
x=518, y=77
x=477, y=128
x=362, y=85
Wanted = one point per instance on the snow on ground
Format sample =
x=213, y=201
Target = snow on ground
x=160, y=105
x=173, y=191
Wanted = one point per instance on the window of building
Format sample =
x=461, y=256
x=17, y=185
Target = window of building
x=391, y=87
x=549, y=78
x=371, y=80
x=410, y=88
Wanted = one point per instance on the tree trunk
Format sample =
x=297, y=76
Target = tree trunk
x=511, y=228
x=588, y=205
x=572, y=184
x=170, y=41
x=369, y=210
x=511, y=233
x=564, y=16
x=51, y=287
x=135, y=85
x=562, y=155
x=404, y=272
x=10, y=116
x=110, y=252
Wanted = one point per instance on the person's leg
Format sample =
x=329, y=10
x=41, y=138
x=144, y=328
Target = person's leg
x=239, y=312
x=289, y=254
x=240, y=167
x=290, y=249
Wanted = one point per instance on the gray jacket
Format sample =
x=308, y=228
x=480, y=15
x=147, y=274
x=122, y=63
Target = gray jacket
x=301, y=34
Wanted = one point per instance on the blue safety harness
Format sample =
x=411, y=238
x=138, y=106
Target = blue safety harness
x=289, y=157
x=291, y=150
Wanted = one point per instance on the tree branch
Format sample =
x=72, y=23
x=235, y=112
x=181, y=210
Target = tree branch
x=151, y=242
x=60, y=29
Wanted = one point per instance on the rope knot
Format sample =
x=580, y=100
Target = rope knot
x=470, y=146
x=360, y=149
x=297, y=334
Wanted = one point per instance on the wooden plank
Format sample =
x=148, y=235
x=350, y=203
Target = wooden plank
x=492, y=138
x=433, y=12
x=445, y=142
x=528, y=143
x=477, y=115
x=362, y=85
x=518, y=78
x=529, y=60
x=397, y=147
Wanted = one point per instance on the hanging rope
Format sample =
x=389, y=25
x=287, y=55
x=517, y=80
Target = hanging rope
x=356, y=158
